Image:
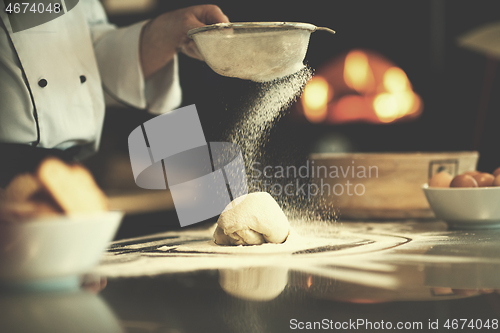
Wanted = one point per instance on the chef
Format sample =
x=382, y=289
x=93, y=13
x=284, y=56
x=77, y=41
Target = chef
x=52, y=76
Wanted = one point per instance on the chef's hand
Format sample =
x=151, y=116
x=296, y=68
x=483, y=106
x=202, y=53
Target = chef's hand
x=162, y=37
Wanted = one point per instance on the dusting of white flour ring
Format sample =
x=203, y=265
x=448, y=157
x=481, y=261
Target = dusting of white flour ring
x=253, y=219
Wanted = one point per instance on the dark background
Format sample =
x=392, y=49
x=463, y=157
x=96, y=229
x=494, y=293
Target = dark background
x=419, y=36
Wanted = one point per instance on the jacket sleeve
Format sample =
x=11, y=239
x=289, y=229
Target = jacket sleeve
x=117, y=54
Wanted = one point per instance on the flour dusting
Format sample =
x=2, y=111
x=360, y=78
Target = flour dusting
x=274, y=97
x=260, y=115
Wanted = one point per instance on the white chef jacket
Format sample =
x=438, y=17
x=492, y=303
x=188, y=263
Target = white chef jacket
x=52, y=78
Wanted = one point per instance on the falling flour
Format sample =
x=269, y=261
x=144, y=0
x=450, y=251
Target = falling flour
x=252, y=131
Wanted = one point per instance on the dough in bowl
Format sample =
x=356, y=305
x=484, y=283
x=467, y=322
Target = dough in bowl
x=252, y=219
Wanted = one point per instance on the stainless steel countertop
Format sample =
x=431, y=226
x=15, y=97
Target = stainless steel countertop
x=408, y=272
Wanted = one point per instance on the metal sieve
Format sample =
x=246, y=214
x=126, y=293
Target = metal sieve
x=257, y=51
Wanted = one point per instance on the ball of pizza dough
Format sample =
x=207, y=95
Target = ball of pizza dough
x=252, y=219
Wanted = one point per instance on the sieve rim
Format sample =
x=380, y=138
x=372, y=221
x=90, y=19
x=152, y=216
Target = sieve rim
x=241, y=25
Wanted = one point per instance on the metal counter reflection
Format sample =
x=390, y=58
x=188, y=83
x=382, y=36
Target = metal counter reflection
x=254, y=283
x=52, y=312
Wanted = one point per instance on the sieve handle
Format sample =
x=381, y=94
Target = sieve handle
x=325, y=29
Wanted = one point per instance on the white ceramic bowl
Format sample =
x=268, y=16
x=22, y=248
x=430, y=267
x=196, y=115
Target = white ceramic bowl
x=54, y=248
x=466, y=208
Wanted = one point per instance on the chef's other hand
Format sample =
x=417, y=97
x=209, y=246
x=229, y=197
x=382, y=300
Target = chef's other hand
x=162, y=37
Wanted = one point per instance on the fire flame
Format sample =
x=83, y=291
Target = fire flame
x=386, y=107
x=309, y=281
x=315, y=99
x=357, y=72
x=395, y=80
x=368, y=88
x=399, y=100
